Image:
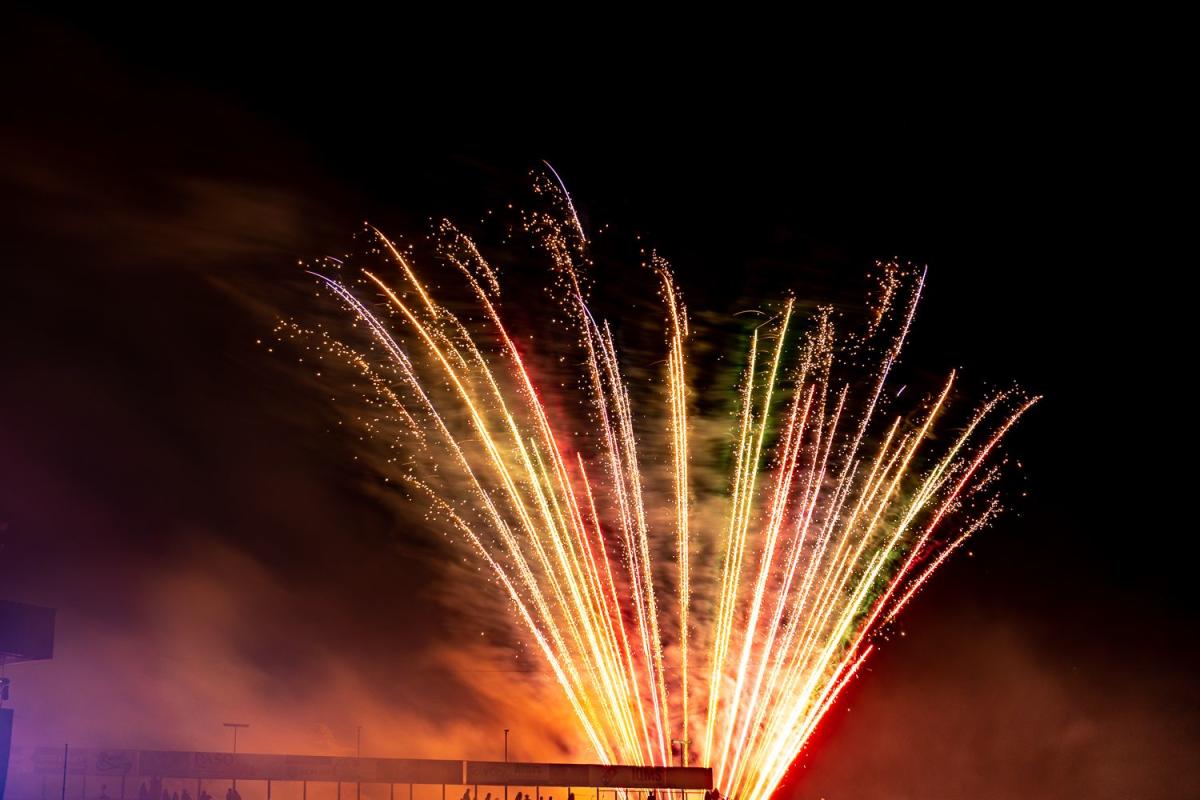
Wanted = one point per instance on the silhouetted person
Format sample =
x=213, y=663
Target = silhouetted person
x=236, y=794
x=466, y=795
x=229, y=793
x=174, y=795
x=104, y=792
x=488, y=796
x=519, y=795
x=143, y=792
x=185, y=795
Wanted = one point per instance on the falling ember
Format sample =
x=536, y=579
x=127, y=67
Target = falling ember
x=837, y=508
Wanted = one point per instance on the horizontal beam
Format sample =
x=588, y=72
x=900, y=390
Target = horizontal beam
x=276, y=767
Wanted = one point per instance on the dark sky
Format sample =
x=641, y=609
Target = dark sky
x=169, y=488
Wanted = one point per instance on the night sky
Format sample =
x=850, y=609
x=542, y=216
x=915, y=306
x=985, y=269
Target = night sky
x=178, y=496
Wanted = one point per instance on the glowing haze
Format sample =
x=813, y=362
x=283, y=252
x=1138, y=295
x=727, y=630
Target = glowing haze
x=681, y=623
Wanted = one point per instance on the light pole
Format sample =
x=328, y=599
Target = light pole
x=358, y=766
x=683, y=754
x=235, y=726
x=683, y=748
x=506, y=760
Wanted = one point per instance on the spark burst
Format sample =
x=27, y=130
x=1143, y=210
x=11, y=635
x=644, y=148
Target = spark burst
x=832, y=521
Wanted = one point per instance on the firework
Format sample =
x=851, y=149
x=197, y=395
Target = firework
x=730, y=632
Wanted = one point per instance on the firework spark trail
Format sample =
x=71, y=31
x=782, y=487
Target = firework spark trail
x=572, y=668
x=626, y=481
x=769, y=547
x=732, y=560
x=405, y=365
x=609, y=658
x=832, y=520
x=794, y=438
x=677, y=383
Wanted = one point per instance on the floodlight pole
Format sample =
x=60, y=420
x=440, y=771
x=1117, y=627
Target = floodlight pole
x=235, y=726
